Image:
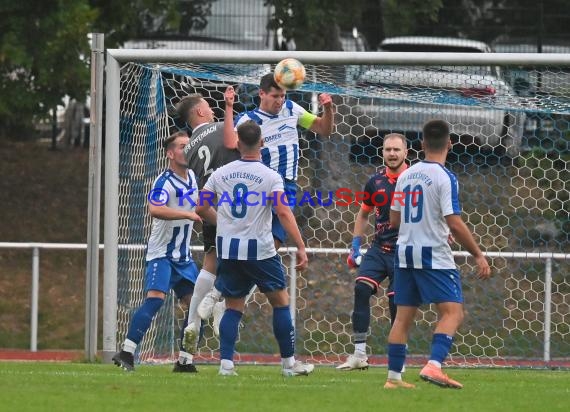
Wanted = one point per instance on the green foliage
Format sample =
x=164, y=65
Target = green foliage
x=44, y=50
x=486, y=20
x=129, y=19
x=43, y=46
x=314, y=24
x=403, y=16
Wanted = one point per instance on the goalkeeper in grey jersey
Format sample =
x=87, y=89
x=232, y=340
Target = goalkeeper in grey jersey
x=205, y=153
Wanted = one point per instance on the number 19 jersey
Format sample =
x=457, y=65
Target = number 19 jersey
x=243, y=190
x=425, y=194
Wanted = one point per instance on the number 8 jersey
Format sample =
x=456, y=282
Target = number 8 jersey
x=244, y=190
x=426, y=193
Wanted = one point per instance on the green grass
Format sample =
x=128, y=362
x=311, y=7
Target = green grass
x=74, y=386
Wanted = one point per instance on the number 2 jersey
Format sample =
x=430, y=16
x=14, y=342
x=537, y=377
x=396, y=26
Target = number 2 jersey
x=431, y=194
x=206, y=151
x=244, y=227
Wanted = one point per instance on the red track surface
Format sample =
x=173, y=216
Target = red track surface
x=42, y=355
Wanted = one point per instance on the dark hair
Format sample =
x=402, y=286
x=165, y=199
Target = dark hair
x=436, y=134
x=168, y=141
x=397, y=136
x=268, y=82
x=249, y=133
x=186, y=104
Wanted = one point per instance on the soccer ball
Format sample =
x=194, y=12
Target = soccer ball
x=289, y=73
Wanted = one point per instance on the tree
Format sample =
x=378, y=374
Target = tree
x=401, y=17
x=132, y=19
x=44, y=50
x=486, y=20
x=315, y=24
x=42, y=58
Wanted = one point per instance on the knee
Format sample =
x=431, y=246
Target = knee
x=459, y=316
x=363, y=290
x=456, y=316
x=278, y=298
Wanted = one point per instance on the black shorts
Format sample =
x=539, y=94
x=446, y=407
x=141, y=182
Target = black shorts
x=376, y=266
x=209, y=235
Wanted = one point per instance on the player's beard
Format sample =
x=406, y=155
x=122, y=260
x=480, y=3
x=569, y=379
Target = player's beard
x=395, y=168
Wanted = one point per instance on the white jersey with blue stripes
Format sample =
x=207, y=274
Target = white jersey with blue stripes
x=171, y=238
x=280, y=149
x=425, y=193
x=243, y=230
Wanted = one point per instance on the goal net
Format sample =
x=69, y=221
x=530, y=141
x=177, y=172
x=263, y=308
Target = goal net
x=511, y=152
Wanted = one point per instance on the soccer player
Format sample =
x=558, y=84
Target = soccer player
x=378, y=263
x=278, y=119
x=205, y=153
x=246, y=190
x=169, y=264
x=425, y=271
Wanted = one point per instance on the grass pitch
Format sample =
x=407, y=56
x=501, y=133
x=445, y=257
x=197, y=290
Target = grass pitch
x=37, y=386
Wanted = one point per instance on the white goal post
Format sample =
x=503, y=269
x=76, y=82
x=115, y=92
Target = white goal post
x=529, y=300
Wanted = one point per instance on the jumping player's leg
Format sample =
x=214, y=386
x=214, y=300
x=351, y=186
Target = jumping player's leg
x=205, y=293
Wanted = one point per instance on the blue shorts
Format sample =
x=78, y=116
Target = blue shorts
x=276, y=227
x=414, y=287
x=376, y=266
x=235, y=278
x=163, y=274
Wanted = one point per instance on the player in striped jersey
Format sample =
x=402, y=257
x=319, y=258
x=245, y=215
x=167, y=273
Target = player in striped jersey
x=169, y=264
x=204, y=153
x=378, y=263
x=425, y=271
x=245, y=247
x=278, y=119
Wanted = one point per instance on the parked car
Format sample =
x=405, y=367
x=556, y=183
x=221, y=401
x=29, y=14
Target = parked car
x=474, y=100
x=546, y=127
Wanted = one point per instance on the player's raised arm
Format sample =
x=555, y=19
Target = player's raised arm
x=324, y=124
x=288, y=222
x=230, y=135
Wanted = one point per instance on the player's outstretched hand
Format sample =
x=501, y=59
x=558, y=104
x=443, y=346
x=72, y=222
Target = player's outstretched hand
x=302, y=260
x=484, y=271
x=230, y=96
x=194, y=217
x=354, y=258
x=325, y=100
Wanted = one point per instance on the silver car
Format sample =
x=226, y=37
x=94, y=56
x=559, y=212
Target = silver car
x=476, y=101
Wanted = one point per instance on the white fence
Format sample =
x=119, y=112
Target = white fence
x=35, y=285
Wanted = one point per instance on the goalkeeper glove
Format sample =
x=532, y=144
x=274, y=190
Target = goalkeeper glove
x=354, y=257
